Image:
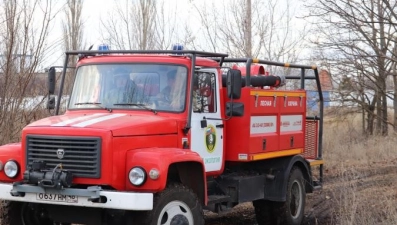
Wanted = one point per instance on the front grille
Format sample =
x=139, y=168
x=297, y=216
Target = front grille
x=81, y=155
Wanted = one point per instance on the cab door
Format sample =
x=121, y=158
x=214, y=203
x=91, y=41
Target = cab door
x=207, y=140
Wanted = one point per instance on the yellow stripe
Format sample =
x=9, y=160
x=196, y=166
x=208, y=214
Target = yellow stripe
x=278, y=94
x=316, y=162
x=255, y=60
x=276, y=154
x=286, y=64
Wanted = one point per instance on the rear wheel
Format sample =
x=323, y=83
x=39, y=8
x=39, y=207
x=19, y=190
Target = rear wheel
x=175, y=205
x=290, y=212
x=264, y=212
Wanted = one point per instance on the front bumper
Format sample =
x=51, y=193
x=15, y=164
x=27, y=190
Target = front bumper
x=93, y=197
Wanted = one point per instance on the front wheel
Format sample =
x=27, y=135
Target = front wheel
x=177, y=204
x=19, y=213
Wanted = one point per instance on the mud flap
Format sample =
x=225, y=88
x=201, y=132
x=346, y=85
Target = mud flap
x=277, y=173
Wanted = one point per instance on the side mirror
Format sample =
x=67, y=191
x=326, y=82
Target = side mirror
x=51, y=80
x=51, y=103
x=233, y=84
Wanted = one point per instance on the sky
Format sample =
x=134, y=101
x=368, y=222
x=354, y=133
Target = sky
x=92, y=12
x=95, y=10
x=91, y=16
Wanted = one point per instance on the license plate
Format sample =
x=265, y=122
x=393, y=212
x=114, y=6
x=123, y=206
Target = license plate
x=57, y=198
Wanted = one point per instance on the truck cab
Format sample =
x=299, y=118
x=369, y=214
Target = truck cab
x=152, y=137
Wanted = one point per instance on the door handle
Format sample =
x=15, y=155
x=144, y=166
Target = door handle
x=219, y=126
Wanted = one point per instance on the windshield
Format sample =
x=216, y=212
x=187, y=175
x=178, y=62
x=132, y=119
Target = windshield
x=130, y=86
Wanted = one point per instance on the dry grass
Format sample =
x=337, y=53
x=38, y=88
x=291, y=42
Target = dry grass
x=345, y=143
x=360, y=173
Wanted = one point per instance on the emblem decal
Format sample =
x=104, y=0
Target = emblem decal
x=60, y=153
x=210, y=138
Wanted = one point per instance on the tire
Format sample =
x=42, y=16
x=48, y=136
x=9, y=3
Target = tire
x=290, y=212
x=19, y=213
x=176, y=205
x=264, y=212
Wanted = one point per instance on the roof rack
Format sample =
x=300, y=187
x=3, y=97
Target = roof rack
x=176, y=52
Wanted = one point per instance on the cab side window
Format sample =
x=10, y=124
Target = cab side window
x=204, y=94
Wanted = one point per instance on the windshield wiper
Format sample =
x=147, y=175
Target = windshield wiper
x=143, y=106
x=94, y=103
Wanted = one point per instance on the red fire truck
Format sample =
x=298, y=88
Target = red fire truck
x=156, y=137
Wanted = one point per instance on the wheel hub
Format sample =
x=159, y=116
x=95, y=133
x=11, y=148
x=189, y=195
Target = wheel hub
x=296, y=200
x=179, y=220
x=176, y=213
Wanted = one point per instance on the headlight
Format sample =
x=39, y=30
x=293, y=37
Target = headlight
x=137, y=176
x=11, y=169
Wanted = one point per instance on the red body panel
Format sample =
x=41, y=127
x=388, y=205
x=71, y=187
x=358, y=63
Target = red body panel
x=125, y=132
x=11, y=152
x=273, y=121
x=128, y=137
x=158, y=158
x=170, y=59
x=118, y=121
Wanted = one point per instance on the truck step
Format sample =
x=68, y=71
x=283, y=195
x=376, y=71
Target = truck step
x=213, y=199
x=317, y=185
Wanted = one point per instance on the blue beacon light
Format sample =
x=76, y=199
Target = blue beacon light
x=103, y=47
x=177, y=47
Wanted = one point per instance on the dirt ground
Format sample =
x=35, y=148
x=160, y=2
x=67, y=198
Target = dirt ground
x=347, y=195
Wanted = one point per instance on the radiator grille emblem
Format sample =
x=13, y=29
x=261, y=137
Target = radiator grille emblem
x=60, y=153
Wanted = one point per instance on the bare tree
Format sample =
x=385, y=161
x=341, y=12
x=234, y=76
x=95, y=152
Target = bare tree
x=24, y=26
x=210, y=18
x=391, y=20
x=131, y=25
x=355, y=38
x=251, y=28
x=73, y=25
x=72, y=34
x=167, y=32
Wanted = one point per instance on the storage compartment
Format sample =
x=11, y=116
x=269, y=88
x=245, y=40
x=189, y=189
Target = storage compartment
x=272, y=125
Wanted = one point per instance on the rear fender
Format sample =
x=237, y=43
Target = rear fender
x=174, y=165
x=280, y=168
